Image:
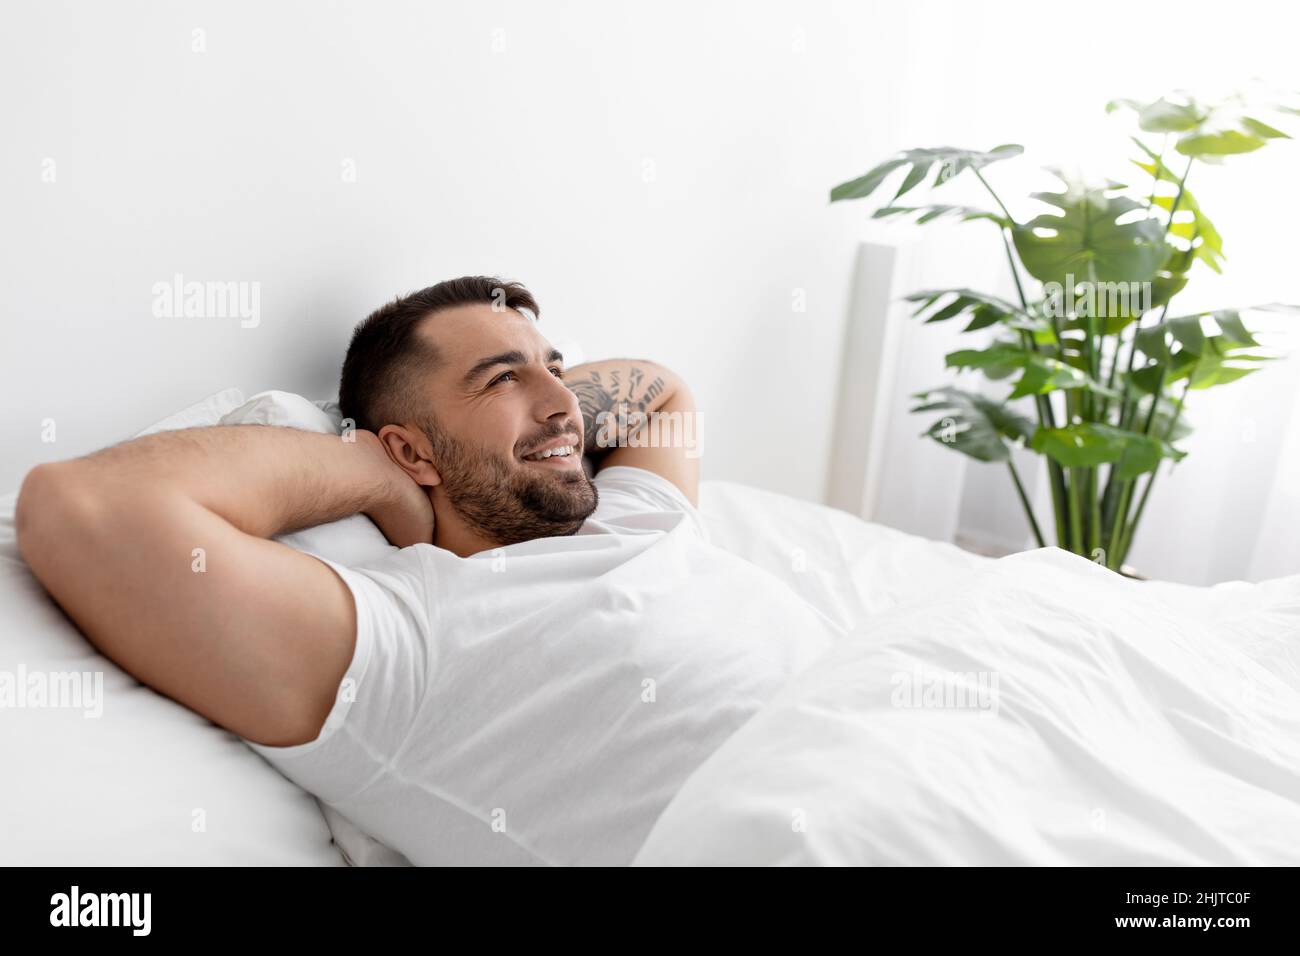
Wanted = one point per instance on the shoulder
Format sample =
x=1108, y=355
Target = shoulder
x=625, y=491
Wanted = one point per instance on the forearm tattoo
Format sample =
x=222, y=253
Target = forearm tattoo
x=618, y=389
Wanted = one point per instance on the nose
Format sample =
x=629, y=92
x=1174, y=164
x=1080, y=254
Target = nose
x=556, y=402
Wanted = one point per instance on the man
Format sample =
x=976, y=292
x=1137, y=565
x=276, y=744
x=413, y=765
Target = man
x=538, y=669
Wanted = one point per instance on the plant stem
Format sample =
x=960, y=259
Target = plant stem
x=1043, y=405
x=1110, y=377
x=1015, y=273
x=1132, y=355
x=1094, y=346
x=1056, y=474
x=1001, y=205
x=1076, y=511
x=1121, y=530
x=1155, y=177
x=1155, y=401
x=1178, y=199
x=1094, y=513
x=1114, y=553
x=1024, y=501
x=1146, y=491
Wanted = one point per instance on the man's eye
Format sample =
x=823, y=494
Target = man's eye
x=557, y=371
x=501, y=378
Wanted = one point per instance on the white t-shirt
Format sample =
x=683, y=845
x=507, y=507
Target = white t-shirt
x=541, y=703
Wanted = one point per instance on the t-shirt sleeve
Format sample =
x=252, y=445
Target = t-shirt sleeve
x=380, y=695
x=636, y=496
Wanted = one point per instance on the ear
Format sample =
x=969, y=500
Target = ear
x=410, y=450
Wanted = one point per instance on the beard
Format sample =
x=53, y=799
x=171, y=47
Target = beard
x=507, y=502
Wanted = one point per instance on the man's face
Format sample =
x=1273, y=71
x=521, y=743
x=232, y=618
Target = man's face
x=498, y=402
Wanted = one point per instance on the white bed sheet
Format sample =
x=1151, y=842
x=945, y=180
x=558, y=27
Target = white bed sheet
x=1131, y=722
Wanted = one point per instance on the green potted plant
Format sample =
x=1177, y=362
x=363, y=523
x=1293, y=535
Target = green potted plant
x=1102, y=368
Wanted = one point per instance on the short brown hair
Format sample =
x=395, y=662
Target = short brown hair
x=377, y=377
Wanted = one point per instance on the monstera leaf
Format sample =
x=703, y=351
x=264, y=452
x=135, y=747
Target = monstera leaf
x=1204, y=131
x=984, y=310
x=1168, y=422
x=1044, y=374
x=919, y=162
x=1188, y=222
x=1188, y=333
x=997, y=361
x=1171, y=277
x=1087, y=444
x=1085, y=240
x=933, y=211
x=1215, y=364
x=1041, y=373
x=974, y=425
x=1182, y=348
x=1162, y=116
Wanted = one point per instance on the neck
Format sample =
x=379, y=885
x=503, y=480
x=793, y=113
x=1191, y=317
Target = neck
x=451, y=533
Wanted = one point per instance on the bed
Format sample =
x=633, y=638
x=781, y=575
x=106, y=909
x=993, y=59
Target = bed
x=1035, y=709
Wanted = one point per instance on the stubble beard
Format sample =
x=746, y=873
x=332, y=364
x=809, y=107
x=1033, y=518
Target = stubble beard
x=507, y=502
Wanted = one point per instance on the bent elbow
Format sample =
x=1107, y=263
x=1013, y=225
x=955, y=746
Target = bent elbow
x=51, y=502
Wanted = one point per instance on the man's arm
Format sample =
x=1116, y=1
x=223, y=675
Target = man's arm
x=248, y=632
x=641, y=414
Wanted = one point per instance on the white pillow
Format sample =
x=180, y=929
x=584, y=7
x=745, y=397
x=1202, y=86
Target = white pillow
x=207, y=411
x=126, y=786
x=149, y=782
x=359, y=848
x=351, y=541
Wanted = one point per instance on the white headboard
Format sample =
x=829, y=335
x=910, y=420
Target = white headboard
x=879, y=467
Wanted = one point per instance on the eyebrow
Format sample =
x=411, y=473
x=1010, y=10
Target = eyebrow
x=513, y=357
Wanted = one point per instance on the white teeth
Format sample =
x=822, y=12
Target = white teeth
x=563, y=451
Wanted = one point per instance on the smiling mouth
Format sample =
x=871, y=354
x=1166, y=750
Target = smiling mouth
x=556, y=456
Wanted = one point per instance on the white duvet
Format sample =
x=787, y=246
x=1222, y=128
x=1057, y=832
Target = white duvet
x=1032, y=710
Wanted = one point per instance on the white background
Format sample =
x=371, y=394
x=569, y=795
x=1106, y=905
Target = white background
x=656, y=173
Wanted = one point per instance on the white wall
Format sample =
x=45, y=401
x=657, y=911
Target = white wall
x=658, y=174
